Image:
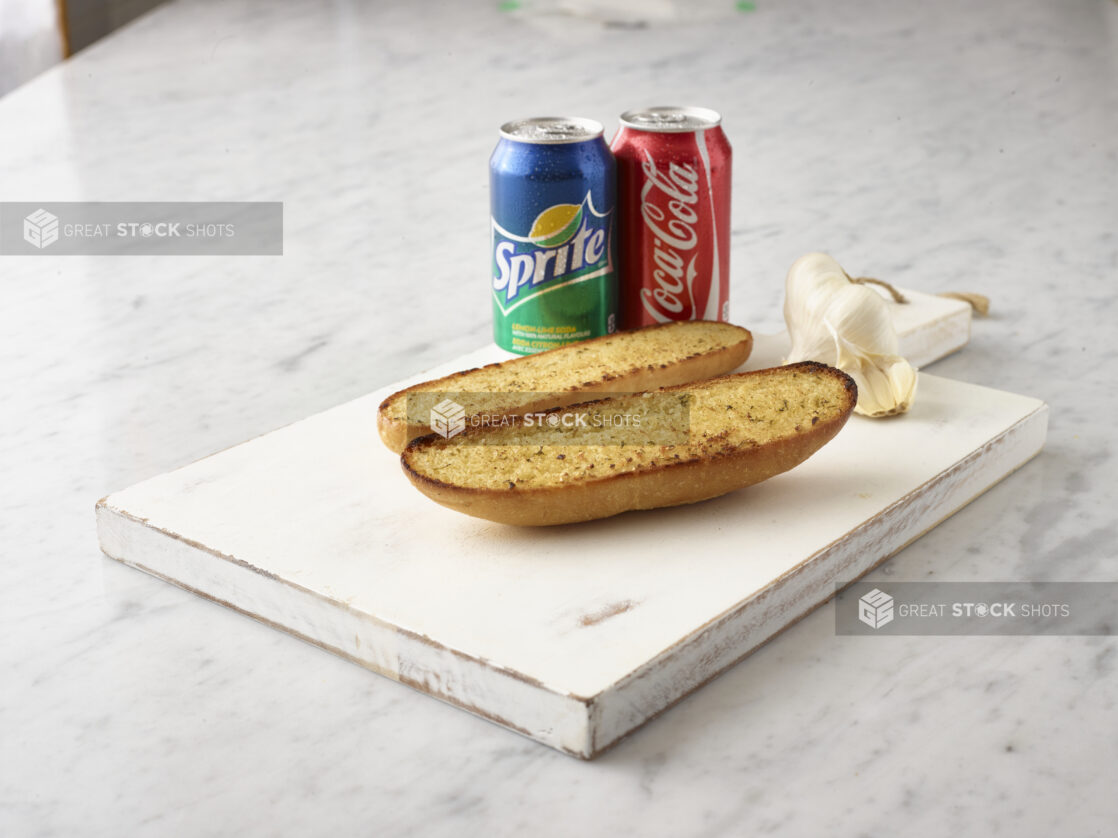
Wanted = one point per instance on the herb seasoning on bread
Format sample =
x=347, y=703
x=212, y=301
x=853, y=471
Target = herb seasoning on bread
x=641, y=359
x=742, y=429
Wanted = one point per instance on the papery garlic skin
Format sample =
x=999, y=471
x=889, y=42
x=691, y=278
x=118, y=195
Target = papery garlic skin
x=838, y=322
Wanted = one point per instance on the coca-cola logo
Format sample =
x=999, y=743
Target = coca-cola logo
x=673, y=224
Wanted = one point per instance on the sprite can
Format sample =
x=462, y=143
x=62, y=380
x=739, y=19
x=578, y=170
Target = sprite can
x=553, y=196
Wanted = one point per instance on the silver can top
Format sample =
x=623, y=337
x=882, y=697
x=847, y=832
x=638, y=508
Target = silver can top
x=552, y=129
x=668, y=119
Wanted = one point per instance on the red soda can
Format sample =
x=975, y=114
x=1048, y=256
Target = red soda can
x=673, y=200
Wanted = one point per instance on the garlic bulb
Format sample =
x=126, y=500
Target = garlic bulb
x=838, y=322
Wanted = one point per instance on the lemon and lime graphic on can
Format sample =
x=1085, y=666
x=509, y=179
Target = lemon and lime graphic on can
x=554, y=249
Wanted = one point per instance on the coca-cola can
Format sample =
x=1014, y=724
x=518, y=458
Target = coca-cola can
x=673, y=203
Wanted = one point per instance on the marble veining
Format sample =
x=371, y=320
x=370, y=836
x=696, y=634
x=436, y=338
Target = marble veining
x=944, y=146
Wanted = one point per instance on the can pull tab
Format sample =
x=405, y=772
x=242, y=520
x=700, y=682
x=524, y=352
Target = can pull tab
x=559, y=130
x=659, y=119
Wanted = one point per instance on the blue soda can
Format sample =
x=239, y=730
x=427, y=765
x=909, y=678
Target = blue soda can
x=553, y=195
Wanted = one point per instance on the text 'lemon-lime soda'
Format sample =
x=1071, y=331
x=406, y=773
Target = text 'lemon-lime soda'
x=553, y=222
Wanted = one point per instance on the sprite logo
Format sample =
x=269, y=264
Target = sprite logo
x=568, y=243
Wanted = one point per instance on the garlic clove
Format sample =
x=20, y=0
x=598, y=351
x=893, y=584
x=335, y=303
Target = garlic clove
x=847, y=325
x=886, y=383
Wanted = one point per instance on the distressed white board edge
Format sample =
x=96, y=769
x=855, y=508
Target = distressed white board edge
x=582, y=726
x=737, y=633
x=492, y=692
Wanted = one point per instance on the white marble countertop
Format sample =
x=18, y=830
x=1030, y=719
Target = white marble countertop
x=946, y=146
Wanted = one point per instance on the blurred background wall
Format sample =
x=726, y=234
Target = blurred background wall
x=37, y=34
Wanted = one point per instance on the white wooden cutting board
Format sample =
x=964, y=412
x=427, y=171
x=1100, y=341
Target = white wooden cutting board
x=571, y=635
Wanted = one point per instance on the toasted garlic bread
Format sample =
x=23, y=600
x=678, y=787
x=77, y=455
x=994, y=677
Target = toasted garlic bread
x=641, y=359
x=741, y=429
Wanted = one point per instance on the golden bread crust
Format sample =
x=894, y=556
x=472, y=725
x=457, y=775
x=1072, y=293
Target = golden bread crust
x=708, y=467
x=724, y=347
